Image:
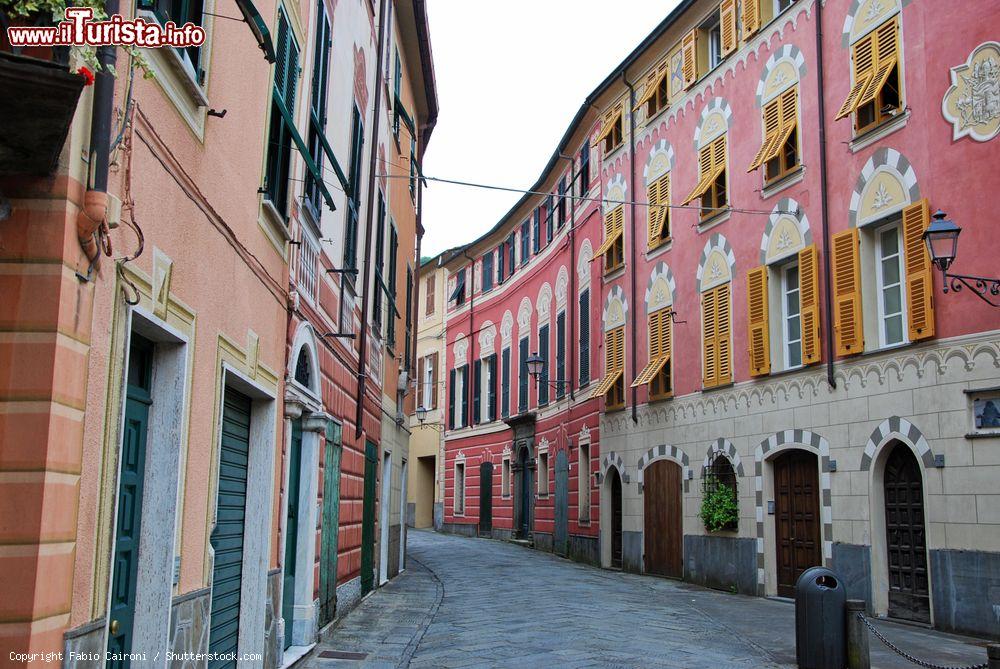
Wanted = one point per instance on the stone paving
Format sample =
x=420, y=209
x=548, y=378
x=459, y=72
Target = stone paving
x=480, y=603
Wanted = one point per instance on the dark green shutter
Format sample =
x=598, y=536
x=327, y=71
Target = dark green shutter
x=561, y=355
x=451, y=400
x=505, y=383
x=464, y=371
x=477, y=385
x=584, y=337
x=543, y=351
x=491, y=398
x=522, y=376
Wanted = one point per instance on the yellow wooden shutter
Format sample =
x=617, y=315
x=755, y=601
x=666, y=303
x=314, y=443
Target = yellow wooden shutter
x=620, y=348
x=864, y=71
x=727, y=21
x=652, y=81
x=658, y=195
x=724, y=333
x=919, y=280
x=659, y=346
x=751, y=17
x=847, y=314
x=710, y=349
x=613, y=228
x=689, y=48
x=758, y=334
x=772, y=126
x=809, y=304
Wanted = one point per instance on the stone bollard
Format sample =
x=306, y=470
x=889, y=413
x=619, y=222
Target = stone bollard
x=857, y=637
x=993, y=656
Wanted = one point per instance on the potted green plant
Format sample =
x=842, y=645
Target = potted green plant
x=719, y=506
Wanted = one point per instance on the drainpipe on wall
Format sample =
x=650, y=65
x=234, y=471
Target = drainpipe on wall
x=571, y=297
x=95, y=200
x=824, y=216
x=369, y=207
x=631, y=272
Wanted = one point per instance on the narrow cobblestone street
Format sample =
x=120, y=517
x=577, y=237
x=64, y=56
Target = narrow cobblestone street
x=480, y=603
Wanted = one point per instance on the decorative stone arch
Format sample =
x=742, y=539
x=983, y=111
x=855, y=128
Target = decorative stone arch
x=865, y=15
x=665, y=452
x=615, y=193
x=887, y=184
x=660, y=289
x=896, y=428
x=524, y=316
x=460, y=350
x=717, y=264
x=506, y=328
x=660, y=161
x=716, y=119
x=487, y=339
x=543, y=303
x=766, y=450
x=785, y=68
x=583, y=265
x=562, y=285
x=612, y=459
x=615, y=309
x=304, y=342
x=725, y=448
x=787, y=232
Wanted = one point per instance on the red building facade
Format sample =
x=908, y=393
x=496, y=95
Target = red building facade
x=764, y=316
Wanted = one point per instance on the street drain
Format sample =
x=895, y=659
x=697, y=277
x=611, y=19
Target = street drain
x=342, y=655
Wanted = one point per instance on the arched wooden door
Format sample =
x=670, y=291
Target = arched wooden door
x=906, y=540
x=615, y=486
x=796, y=517
x=486, y=499
x=663, y=537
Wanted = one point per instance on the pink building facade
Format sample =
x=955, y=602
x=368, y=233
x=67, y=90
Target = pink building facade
x=768, y=335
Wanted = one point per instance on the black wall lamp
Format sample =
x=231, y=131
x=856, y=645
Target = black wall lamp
x=941, y=237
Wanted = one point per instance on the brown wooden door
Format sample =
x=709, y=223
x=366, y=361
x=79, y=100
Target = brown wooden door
x=663, y=536
x=796, y=492
x=616, y=518
x=906, y=547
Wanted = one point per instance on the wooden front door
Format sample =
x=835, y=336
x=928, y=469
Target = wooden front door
x=524, y=494
x=906, y=547
x=130, y=487
x=796, y=517
x=616, y=518
x=331, y=524
x=368, y=519
x=663, y=536
x=227, y=537
x=486, y=499
x=561, y=534
x=291, y=530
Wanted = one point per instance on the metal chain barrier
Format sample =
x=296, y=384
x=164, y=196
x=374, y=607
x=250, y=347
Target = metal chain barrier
x=902, y=653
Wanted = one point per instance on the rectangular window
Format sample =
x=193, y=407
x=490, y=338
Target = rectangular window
x=612, y=129
x=390, y=287
x=511, y=250
x=317, y=106
x=584, y=337
x=876, y=95
x=543, y=474
x=782, y=5
x=490, y=389
x=613, y=248
x=525, y=242
x=430, y=283
x=354, y=201
x=779, y=154
x=459, y=489
x=501, y=257
x=458, y=294
x=452, y=382
x=612, y=386
x=408, y=355
x=279, y=140
x=397, y=80
x=428, y=381
x=717, y=355
x=791, y=315
x=463, y=396
x=584, y=177
x=561, y=206
x=656, y=373
x=711, y=187
x=505, y=383
x=550, y=219
x=536, y=231
x=488, y=272
x=658, y=216
x=180, y=12
x=655, y=95
x=889, y=273
x=379, y=265
x=543, y=378
x=306, y=269
x=561, y=355
x=522, y=375
x=583, y=482
x=477, y=392
x=505, y=478
x=712, y=29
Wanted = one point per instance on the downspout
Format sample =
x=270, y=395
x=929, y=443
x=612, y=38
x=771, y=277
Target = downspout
x=415, y=289
x=631, y=273
x=824, y=207
x=572, y=297
x=95, y=200
x=366, y=263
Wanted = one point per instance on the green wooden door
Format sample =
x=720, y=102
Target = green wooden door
x=331, y=523
x=368, y=519
x=291, y=530
x=227, y=537
x=130, y=486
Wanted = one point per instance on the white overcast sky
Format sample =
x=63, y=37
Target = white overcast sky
x=510, y=77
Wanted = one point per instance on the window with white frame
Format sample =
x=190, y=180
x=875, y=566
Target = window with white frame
x=583, y=481
x=459, y=504
x=543, y=474
x=306, y=268
x=889, y=276
x=428, y=381
x=791, y=316
x=714, y=30
x=505, y=477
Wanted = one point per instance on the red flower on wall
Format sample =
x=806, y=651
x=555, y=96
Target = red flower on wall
x=87, y=75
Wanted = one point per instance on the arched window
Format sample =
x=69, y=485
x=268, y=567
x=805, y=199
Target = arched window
x=720, y=477
x=303, y=374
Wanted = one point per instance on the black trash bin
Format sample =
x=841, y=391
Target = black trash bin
x=820, y=634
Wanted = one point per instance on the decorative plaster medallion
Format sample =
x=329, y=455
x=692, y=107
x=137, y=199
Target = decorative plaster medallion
x=524, y=315
x=506, y=327
x=972, y=104
x=544, y=302
x=583, y=266
x=614, y=193
x=585, y=434
x=717, y=263
x=660, y=291
x=460, y=350
x=866, y=15
x=615, y=309
x=562, y=283
x=487, y=334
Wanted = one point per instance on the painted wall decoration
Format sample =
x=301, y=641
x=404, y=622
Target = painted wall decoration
x=972, y=104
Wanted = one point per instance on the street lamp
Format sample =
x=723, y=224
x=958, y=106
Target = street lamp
x=421, y=413
x=534, y=363
x=941, y=237
x=422, y=416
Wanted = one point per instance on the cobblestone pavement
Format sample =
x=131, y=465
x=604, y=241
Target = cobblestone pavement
x=480, y=603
